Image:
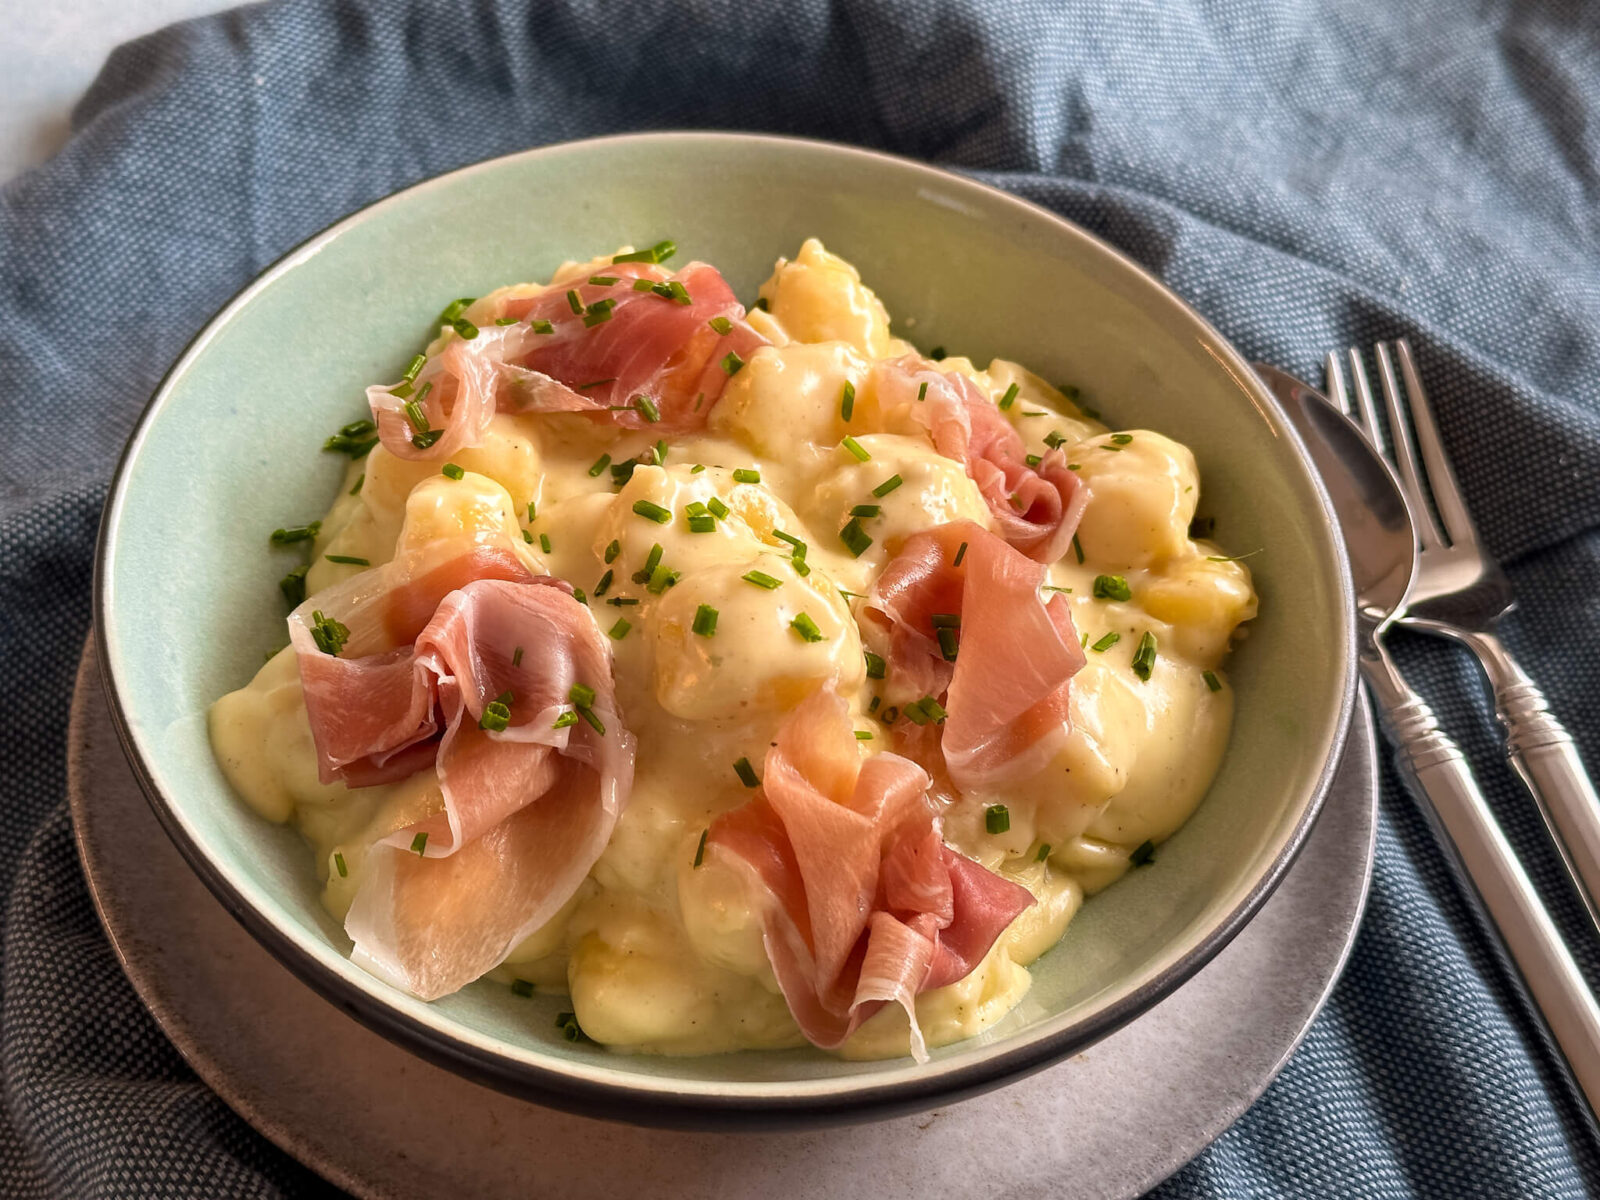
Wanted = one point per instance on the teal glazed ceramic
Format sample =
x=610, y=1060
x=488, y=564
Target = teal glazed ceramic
x=186, y=596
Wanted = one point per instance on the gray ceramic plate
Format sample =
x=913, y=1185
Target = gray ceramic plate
x=377, y=1121
x=229, y=448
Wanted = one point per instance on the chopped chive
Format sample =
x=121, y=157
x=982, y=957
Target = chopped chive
x=801, y=567
x=355, y=439
x=620, y=601
x=866, y=510
x=873, y=706
x=1212, y=681
x=721, y=324
x=806, y=628
x=705, y=620
x=1010, y=397
x=799, y=546
x=1143, y=855
x=1033, y=460
x=496, y=715
x=854, y=537
x=661, y=452
x=574, y=302
x=598, y=313
x=1106, y=642
x=933, y=708
x=454, y=309
x=600, y=464
x=578, y=595
x=652, y=511
x=423, y=440
x=570, y=1029
x=1144, y=658
x=731, y=362
x=702, y=523
x=651, y=562
x=594, y=383
x=451, y=470
x=875, y=665
x=887, y=486
x=360, y=479
x=863, y=735
x=565, y=720
x=660, y=580
x=594, y=722
x=582, y=695
x=746, y=475
x=945, y=620
x=700, y=850
x=293, y=587
x=1050, y=587
x=855, y=448
x=746, y=773
x=295, y=533
x=603, y=280
x=961, y=552
x=1111, y=587
x=505, y=320
x=997, y=817
x=949, y=645
x=516, y=657
x=533, y=510
x=1044, y=853
x=614, y=549
x=1077, y=548
x=847, y=400
x=604, y=585
x=697, y=468
x=1121, y=439
x=419, y=844
x=465, y=328
x=937, y=353
x=339, y=865
x=413, y=367
x=660, y=252
x=521, y=987
x=915, y=715
x=527, y=536
x=329, y=635
x=1054, y=438
x=718, y=508
x=1074, y=466
x=348, y=560
x=922, y=392
x=761, y=579
x=541, y=326
x=647, y=408
x=620, y=630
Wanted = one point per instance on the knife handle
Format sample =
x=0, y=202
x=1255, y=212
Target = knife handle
x=1439, y=779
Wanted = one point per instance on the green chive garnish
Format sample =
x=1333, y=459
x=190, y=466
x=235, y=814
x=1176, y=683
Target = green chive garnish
x=875, y=665
x=948, y=643
x=922, y=392
x=1054, y=438
x=581, y=694
x=799, y=546
x=997, y=817
x=1121, y=439
x=847, y=400
x=887, y=486
x=721, y=324
x=497, y=713
x=866, y=510
x=574, y=301
x=598, y=313
x=614, y=549
x=1077, y=548
x=746, y=773
x=660, y=580
x=747, y=475
x=339, y=865
x=863, y=735
x=1105, y=643
x=1033, y=460
x=1212, y=681
x=593, y=721
x=360, y=479
x=705, y=620
x=600, y=464
x=603, y=280
x=295, y=533
x=516, y=657
x=718, y=508
x=565, y=720
x=647, y=408
x=604, y=585
x=700, y=850
x=465, y=328
x=660, y=252
x=348, y=560
x=354, y=439
x=1044, y=853
x=451, y=470
x=505, y=320
x=702, y=523
x=413, y=367
x=652, y=511
x=854, y=537
x=651, y=562
x=1111, y=587
x=544, y=542
x=855, y=448
x=527, y=536
x=293, y=587
x=1010, y=397
x=761, y=579
x=806, y=628
x=541, y=326
x=594, y=383
x=1143, y=855
x=731, y=362
x=533, y=510
x=1144, y=658
x=329, y=635
x=620, y=630
x=419, y=844
x=961, y=552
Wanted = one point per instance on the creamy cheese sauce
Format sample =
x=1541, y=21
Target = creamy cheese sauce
x=661, y=956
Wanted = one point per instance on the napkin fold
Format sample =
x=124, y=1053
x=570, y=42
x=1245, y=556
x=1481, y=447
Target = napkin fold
x=1309, y=175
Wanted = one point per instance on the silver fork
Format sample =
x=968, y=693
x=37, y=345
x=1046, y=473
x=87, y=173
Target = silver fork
x=1460, y=593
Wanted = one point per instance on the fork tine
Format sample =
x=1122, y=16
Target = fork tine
x=1368, y=419
x=1337, y=392
x=1429, y=535
x=1441, y=478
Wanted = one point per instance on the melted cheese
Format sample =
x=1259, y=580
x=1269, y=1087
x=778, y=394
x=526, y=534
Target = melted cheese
x=661, y=956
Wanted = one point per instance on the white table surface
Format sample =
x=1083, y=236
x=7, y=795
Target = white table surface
x=51, y=51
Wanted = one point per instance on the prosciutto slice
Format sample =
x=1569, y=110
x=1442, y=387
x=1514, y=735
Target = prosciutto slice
x=527, y=809
x=867, y=905
x=1036, y=509
x=1007, y=692
x=650, y=345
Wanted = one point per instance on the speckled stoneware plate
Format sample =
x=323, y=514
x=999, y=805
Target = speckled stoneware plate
x=230, y=447
x=1109, y=1123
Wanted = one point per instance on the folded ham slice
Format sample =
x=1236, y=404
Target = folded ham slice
x=866, y=904
x=527, y=809
x=1035, y=508
x=660, y=347
x=1007, y=692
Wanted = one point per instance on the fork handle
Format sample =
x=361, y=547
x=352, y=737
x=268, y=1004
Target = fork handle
x=1442, y=783
x=1544, y=755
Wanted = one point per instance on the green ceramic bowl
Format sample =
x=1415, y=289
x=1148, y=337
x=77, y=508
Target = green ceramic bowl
x=186, y=595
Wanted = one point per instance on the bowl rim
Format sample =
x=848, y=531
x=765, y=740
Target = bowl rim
x=673, y=1103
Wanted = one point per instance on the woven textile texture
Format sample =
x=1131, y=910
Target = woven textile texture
x=1308, y=174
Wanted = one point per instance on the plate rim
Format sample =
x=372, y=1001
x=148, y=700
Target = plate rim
x=666, y=1102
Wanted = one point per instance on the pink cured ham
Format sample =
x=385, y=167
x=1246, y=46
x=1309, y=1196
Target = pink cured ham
x=651, y=346
x=1008, y=690
x=527, y=809
x=867, y=905
x=1036, y=509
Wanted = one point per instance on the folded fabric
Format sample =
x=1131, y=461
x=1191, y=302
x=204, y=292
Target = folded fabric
x=1308, y=174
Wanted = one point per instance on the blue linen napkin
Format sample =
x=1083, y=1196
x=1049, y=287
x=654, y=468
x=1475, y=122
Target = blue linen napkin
x=1309, y=175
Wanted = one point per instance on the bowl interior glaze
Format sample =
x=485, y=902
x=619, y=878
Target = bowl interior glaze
x=230, y=448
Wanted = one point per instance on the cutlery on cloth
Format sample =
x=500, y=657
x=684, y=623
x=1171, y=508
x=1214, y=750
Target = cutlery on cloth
x=1460, y=593
x=1379, y=538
